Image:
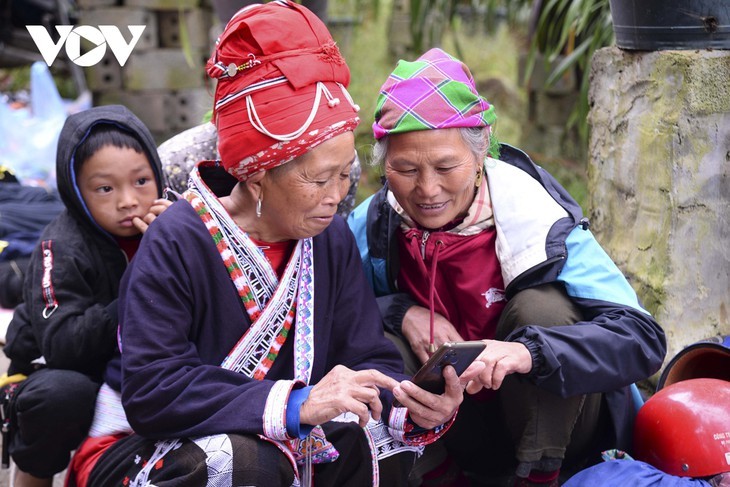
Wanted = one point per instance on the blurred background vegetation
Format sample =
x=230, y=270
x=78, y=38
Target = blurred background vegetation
x=492, y=58
x=530, y=58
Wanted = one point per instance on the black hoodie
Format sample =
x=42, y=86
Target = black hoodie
x=69, y=311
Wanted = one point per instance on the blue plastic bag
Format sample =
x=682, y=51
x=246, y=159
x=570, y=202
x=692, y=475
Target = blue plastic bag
x=28, y=136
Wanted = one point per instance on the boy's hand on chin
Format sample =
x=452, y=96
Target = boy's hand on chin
x=156, y=210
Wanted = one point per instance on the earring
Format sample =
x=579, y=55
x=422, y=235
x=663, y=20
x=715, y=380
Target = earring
x=258, y=208
x=480, y=174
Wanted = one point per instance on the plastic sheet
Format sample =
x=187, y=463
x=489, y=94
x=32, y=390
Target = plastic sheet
x=29, y=135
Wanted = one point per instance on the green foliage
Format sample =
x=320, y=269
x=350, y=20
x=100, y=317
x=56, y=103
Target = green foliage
x=17, y=79
x=14, y=79
x=490, y=56
x=567, y=33
x=429, y=20
x=185, y=37
x=489, y=38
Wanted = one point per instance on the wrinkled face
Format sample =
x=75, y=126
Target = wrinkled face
x=300, y=198
x=432, y=174
x=117, y=185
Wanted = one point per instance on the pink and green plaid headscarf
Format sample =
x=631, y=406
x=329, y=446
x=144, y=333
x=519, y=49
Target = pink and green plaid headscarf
x=436, y=91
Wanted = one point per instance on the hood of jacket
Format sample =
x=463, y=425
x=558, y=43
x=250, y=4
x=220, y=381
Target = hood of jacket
x=75, y=131
x=533, y=215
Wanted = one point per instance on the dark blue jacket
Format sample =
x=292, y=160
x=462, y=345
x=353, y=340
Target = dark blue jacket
x=541, y=237
x=181, y=315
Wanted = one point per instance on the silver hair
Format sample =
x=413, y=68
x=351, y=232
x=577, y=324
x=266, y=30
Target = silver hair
x=476, y=140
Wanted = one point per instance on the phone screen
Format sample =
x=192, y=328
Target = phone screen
x=457, y=354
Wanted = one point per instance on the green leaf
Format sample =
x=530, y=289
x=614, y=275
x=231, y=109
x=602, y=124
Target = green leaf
x=185, y=37
x=567, y=63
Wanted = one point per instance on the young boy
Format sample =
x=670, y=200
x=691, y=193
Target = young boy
x=64, y=333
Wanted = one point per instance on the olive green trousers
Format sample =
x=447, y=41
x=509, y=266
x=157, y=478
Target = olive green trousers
x=521, y=427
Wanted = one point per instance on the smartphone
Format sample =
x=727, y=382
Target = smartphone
x=457, y=354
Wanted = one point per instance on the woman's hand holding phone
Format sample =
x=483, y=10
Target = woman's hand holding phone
x=458, y=355
x=499, y=360
x=435, y=392
x=429, y=410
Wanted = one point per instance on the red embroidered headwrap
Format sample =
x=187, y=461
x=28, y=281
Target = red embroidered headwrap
x=280, y=87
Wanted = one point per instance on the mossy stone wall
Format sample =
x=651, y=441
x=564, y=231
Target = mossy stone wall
x=659, y=182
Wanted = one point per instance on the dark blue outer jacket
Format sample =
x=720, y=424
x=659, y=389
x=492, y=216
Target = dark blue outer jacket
x=541, y=237
x=180, y=315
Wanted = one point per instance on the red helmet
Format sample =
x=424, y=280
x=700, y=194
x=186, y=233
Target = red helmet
x=684, y=429
x=709, y=358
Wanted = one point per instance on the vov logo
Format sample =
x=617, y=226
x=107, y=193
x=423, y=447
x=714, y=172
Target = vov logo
x=70, y=36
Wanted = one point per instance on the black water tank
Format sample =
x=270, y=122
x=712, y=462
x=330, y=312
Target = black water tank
x=651, y=25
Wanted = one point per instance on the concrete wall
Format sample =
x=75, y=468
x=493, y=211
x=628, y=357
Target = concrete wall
x=162, y=82
x=659, y=182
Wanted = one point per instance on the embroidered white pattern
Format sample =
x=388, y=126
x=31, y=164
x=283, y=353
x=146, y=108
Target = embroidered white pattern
x=493, y=295
x=275, y=410
x=162, y=447
x=218, y=458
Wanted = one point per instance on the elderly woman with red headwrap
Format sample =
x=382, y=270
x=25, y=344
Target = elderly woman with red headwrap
x=253, y=351
x=469, y=240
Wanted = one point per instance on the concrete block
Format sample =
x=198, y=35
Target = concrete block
x=187, y=107
x=108, y=98
x=163, y=4
x=164, y=69
x=121, y=17
x=163, y=111
x=196, y=21
x=152, y=107
x=106, y=75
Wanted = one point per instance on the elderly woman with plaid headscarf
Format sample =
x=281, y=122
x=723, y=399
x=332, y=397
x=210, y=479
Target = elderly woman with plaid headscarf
x=470, y=240
x=253, y=351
